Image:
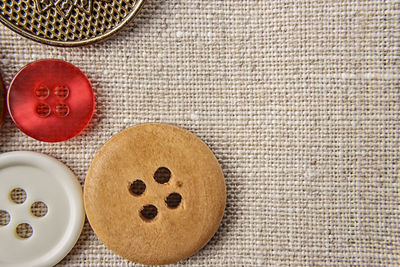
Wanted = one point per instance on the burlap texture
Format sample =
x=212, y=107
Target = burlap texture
x=299, y=100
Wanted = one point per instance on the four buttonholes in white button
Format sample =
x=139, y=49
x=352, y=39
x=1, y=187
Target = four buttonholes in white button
x=37, y=209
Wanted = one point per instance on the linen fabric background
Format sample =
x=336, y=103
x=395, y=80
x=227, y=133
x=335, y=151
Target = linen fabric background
x=299, y=100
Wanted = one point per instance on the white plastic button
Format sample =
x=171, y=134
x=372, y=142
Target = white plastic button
x=41, y=209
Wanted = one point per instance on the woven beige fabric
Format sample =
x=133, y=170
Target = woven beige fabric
x=299, y=100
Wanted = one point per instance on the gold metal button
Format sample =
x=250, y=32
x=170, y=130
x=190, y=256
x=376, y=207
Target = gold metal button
x=68, y=22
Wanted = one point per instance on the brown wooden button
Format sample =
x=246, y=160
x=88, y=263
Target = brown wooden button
x=155, y=194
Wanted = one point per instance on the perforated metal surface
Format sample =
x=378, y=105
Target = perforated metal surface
x=2, y=102
x=67, y=22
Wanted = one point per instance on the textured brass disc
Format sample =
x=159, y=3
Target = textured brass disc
x=67, y=22
x=2, y=102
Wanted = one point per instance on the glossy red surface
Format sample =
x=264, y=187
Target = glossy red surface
x=51, y=100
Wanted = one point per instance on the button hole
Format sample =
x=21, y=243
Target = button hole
x=43, y=110
x=39, y=209
x=4, y=218
x=24, y=230
x=61, y=91
x=148, y=212
x=61, y=110
x=17, y=195
x=162, y=175
x=137, y=188
x=42, y=92
x=173, y=200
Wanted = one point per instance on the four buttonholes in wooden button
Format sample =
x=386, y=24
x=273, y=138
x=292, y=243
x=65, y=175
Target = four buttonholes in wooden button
x=138, y=187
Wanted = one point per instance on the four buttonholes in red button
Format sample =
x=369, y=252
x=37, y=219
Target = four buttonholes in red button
x=42, y=92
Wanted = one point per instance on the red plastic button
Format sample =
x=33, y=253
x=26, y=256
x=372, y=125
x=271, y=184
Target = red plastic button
x=51, y=100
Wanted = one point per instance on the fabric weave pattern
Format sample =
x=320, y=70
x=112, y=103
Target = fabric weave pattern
x=299, y=100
